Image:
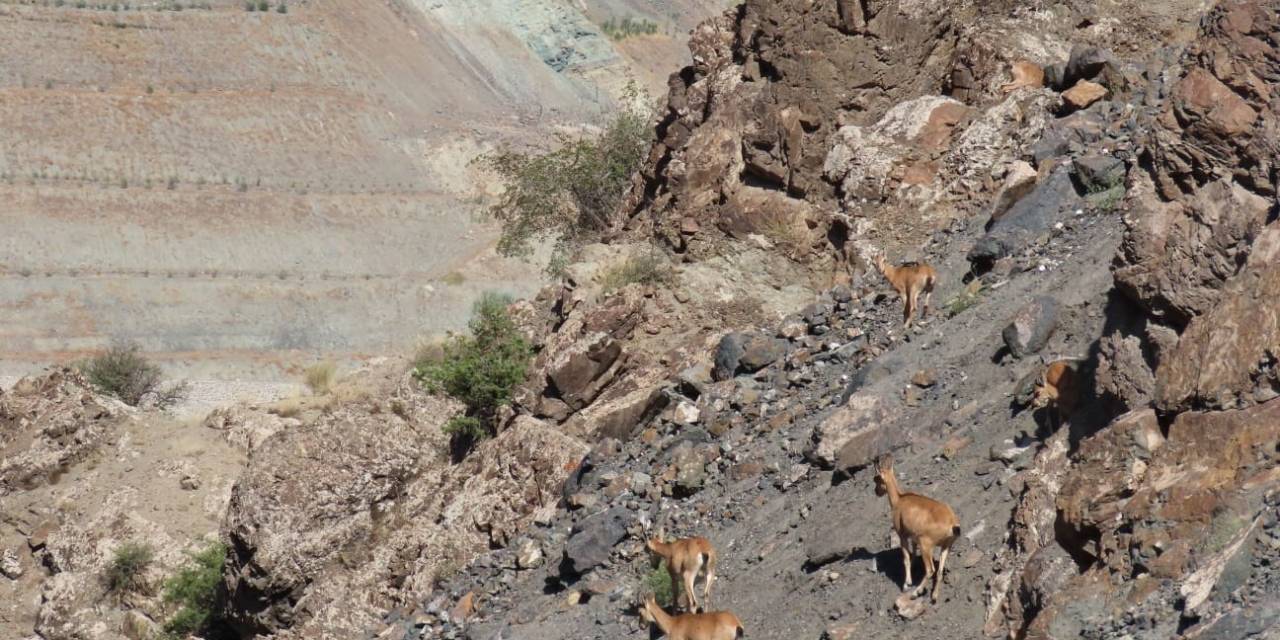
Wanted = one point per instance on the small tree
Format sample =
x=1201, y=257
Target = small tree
x=123, y=372
x=480, y=370
x=570, y=195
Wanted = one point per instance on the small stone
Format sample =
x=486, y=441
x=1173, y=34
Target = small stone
x=954, y=445
x=925, y=378
x=529, y=555
x=687, y=413
x=971, y=558
x=189, y=482
x=10, y=567
x=909, y=608
x=1083, y=94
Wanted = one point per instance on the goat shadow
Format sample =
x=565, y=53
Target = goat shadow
x=889, y=564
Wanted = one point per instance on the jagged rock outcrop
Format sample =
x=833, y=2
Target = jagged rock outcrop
x=338, y=521
x=1169, y=511
x=48, y=423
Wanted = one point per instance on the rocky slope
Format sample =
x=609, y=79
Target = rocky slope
x=1123, y=217
x=1151, y=514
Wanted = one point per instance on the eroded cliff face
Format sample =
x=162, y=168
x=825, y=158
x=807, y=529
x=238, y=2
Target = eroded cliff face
x=1166, y=510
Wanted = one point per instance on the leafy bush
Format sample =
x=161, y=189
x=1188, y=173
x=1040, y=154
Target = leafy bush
x=648, y=269
x=194, y=590
x=480, y=370
x=125, y=572
x=571, y=194
x=659, y=582
x=125, y=373
x=319, y=377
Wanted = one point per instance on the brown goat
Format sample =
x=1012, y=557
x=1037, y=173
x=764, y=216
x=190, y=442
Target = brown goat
x=1057, y=387
x=1025, y=74
x=717, y=625
x=685, y=559
x=909, y=279
x=920, y=522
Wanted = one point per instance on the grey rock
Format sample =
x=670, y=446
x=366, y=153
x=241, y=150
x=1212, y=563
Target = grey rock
x=1032, y=217
x=1086, y=63
x=1097, y=173
x=593, y=539
x=1031, y=327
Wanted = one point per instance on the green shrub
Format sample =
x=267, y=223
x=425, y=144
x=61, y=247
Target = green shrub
x=479, y=370
x=125, y=373
x=194, y=591
x=319, y=377
x=648, y=269
x=282, y=8
x=659, y=582
x=570, y=195
x=970, y=296
x=128, y=565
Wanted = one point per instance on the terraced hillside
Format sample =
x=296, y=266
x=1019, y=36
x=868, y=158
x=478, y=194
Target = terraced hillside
x=241, y=190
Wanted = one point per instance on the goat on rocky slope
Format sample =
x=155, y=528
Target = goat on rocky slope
x=920, y=522
x=1057, y=387
x=909, y=279
x=685, y=559
x=717, y=625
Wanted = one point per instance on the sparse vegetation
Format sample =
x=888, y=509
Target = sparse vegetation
x=193, y=590
x=263, y=5
x=480, y=370
x=650, y=268
x=122, y=371
x=658, y=581
x=454, y=278
x=319, y=377
x=789, y=234
x=627, y=27
x=129, y=564
x=971, y=296
x=570, y=195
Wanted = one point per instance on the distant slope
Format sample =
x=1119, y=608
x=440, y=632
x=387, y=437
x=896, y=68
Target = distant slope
x=238, y=187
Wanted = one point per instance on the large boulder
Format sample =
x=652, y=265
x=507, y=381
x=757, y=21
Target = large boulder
x=852, y=435
x=746, y=353
x=1029, y=220
x=592, y=541
x=1031, y=327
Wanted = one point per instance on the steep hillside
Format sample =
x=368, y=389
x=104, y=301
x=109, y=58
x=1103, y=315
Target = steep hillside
x=260, y=188
x=1120, y=215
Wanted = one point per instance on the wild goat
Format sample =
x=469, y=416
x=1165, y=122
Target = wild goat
x=1025, y=74
x=685, y=559
x=921, y=522
x=717, y=625
x=909, y=279
x=1057, y=387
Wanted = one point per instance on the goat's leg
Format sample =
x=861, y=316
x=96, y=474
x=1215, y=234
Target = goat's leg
x=937, y=578
x=906, y=562
x=908, y=306
x=710, y=577
x=689, y=577
x=924, y=311
x=677, y=593
x=926, y=553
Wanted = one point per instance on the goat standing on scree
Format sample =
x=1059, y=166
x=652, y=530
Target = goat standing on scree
x=685, y=559
x=919, y=521
x=1057, y=387
x=718, y=625
x=909, y=279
